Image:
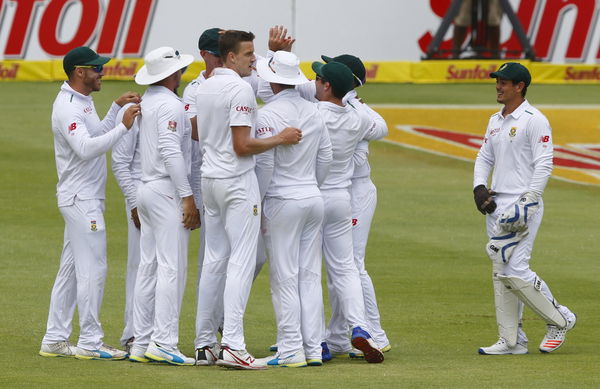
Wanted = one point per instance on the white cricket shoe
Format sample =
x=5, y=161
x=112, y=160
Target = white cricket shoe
x=355, y=353
x=59, y=349
x=169, y=355
x=207, y=355
x=104, y=353
x=239, y=359
x=129, y=344
x=502, y=348
x=136, y=353
x=297, y=359
x=555, y=337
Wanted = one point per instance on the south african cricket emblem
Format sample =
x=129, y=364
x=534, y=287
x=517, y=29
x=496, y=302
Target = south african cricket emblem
x=512, y=132
x=255, y=210
x=93, y=226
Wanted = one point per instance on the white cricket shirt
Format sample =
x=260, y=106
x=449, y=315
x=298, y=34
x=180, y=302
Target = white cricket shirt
x=223, y=101
x=347, y=126
x=296, y=169
x=126, y=161
x=519, y=149
x=80, y=141
x=162, y=132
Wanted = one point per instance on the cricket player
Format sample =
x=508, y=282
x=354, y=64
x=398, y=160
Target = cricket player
x=126, y=167
x=164, y=195
x=347, y=127
x=293, y=212
x=80, y=141
x=226, y=110
x=363, y=195
x=518, y=147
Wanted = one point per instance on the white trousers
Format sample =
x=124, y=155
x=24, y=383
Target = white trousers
x=133, y=262
x=232, y=219
x=518, y=264
x=162, y=271
x=364, y=202
x=81, y=276
x=343, y=280
x=292, y=235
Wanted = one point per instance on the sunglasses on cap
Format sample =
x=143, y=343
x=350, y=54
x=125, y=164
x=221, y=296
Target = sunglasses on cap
x=96, y=68
x=176, y=55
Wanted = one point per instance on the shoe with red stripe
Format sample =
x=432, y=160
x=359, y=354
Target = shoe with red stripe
x=361, y=340
x=555, y=336
x=239, y=359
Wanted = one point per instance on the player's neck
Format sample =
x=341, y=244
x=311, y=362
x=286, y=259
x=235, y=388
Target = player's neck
x=511, y=106
x=79, y=87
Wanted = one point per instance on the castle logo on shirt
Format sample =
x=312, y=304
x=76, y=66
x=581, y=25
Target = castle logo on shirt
x=512, y=132
x=172, y=125
x=93, y=225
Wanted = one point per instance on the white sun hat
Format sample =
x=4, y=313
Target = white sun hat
x=161, y=63
x=282, y=68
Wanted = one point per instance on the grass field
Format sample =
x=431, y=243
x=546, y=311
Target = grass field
x=425, y=256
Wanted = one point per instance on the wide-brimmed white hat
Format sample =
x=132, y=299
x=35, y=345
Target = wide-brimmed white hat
x=282, y=68
x=161, y=63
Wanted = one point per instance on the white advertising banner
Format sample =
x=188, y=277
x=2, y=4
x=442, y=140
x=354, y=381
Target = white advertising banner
x=561, y=31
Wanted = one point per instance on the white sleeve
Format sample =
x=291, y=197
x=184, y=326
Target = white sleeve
x=539, y=135
x=72, y=127
x=381, y=129
x=110, y=119
x=189, y=99
x=265, y=161
x=195, y=175
x=170, y=130
x=243, y=105
x=122, y=156
x=370, y=129
x=308, y=90
x=484, y=161
x=361, y=153
x=324, y=156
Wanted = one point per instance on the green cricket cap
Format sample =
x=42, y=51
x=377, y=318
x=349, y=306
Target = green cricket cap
x=513, y=71
x=354, y=63
x=80, y=56
x=209, y=41
x=337, y=74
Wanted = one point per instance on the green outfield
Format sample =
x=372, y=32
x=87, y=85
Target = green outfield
x=425, y=255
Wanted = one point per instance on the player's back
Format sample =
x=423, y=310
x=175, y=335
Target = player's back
x=346, y=128
x=294, y=174
x=223, y=101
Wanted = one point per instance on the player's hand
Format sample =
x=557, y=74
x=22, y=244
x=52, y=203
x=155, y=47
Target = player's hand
x=484, y=199
x=290, y=136
x=278, y=39
x=135, y=218
x=128, y=97
x=191, y=217
x=130, y=114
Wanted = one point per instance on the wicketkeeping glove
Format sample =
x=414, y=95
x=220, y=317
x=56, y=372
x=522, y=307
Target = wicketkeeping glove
x=501, y=246
x=483, y=199
x=515, y=218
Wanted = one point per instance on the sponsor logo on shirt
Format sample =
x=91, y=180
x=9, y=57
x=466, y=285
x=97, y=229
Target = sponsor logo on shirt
x=243, y=108
x=494, y=131
x=354, y=222
x=87, y=109
x=172, y=125
x=263, y=131
x=544, y=139
x=72, y=127
x=187, y=107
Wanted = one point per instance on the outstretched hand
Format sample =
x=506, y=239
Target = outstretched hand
x=279, y=40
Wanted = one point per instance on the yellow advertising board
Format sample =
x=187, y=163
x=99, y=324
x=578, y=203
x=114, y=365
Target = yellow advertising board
x=424, y=72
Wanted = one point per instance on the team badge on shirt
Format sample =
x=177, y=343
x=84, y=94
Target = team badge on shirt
x=93, y=226
x=172, y=125
x=512, y=132
x=255, y=210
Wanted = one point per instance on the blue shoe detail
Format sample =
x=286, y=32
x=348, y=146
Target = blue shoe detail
x=103, y=354
x=358, y=332
x=176, y=359
x=273, y=362
x=325, y=353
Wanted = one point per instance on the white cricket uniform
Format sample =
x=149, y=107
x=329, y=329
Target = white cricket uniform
x=292, y=219
x=126, y=167
x=163, y=242
x=364, y=201
x=347, y=127
x=80, y=141
x=232, y=208
x=519, y=149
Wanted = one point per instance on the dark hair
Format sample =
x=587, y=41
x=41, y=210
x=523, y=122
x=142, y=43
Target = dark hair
x=336, y=92
x=230, y=40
